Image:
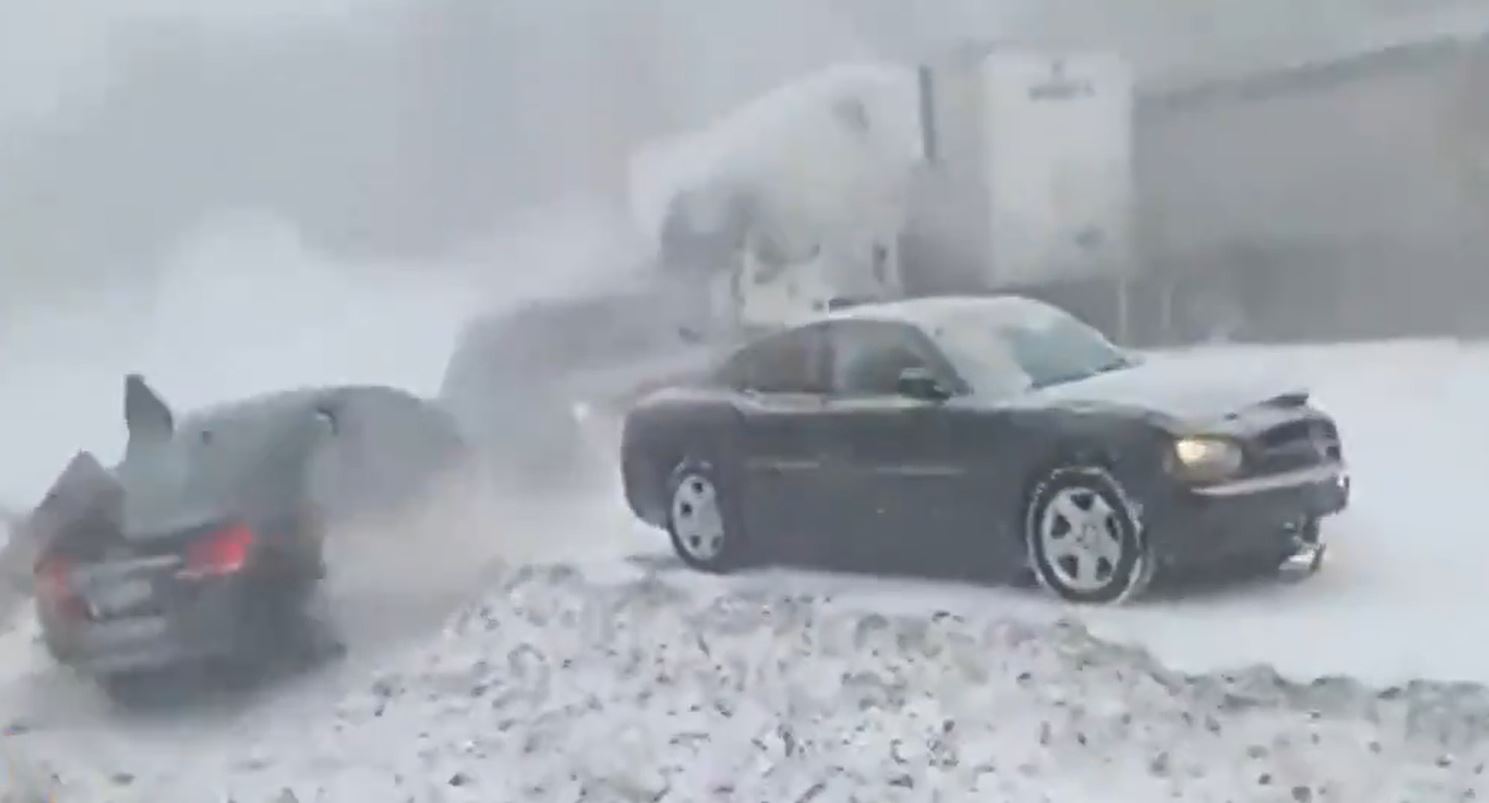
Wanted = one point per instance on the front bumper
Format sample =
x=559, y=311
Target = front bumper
x=1330, y=478
x=195, y=621
x=1254, y=516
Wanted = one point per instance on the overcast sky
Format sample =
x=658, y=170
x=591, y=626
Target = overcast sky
x=52, y=50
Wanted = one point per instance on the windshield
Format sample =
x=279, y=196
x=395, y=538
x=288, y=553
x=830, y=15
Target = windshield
x=1002, y=358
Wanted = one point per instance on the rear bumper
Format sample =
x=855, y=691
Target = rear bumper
x=198, y=621
x=1260, y=516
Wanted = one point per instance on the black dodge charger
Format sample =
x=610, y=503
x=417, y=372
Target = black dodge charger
x=990, y=436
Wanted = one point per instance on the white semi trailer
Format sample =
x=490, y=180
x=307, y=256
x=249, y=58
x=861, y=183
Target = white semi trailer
x=1033, y=152
x=983, y=170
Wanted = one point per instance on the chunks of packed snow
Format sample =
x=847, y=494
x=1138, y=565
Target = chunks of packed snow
x=557, y=687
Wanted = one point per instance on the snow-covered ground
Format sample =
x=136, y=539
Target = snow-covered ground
x=562, y=688
x=614, y=671
x=634, y=680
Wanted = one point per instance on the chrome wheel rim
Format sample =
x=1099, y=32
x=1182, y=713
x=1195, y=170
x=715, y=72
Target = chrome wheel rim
x=697, y=520
x=1081, y=538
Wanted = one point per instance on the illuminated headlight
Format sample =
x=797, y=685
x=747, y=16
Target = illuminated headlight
x=1202, y=458
x=580, y=411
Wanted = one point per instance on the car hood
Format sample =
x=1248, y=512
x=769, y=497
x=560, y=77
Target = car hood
x=1179, y=391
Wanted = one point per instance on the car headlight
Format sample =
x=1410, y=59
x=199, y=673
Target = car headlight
x=1207, y=458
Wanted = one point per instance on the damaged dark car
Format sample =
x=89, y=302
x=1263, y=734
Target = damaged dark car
x=992, y=437
x=206, y=542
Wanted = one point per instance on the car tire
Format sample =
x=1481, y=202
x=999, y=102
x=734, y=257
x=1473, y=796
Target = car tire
x=134, y=689
x=276, y=626
x=1084, y=537
x=702, y=518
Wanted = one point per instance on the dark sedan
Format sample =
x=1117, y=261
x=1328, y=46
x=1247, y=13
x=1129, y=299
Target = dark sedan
x=991, y=435
x=206, y=541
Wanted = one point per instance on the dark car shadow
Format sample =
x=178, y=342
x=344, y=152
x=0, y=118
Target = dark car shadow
x=215, y=688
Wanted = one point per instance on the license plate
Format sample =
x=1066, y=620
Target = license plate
x=119, y=595
x=123, y=632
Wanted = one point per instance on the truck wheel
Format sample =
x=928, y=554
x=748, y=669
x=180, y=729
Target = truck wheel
x=702, y=518
x=1084, y=540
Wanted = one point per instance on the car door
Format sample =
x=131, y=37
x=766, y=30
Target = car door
x=900, y=467
x=780, y=382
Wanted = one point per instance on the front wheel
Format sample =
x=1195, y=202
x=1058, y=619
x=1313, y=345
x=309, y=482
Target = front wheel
x=1084, y=538
x=702, y=519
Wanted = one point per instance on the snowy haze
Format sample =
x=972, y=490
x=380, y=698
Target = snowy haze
x=389, y=127
x=234, y=197
x=238, y=196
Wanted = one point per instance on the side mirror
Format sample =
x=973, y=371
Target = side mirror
x=920, y=383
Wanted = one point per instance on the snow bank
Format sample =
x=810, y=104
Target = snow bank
x=558, y=687
x=798, y=149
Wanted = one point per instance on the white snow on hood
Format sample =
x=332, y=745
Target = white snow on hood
x=1184, y=390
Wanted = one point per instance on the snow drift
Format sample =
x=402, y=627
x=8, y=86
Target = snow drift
x=560, y=687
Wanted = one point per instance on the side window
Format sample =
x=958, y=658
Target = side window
x=789, y=362
x=869, y=356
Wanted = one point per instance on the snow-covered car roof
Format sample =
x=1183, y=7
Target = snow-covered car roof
x=929, y=313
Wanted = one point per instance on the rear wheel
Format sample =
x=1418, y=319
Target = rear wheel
x=1084, y=539
x=702, y=519
x=284, y=625
x=134, y=689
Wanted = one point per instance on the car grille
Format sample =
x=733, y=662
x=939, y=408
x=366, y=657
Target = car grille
x=1293, y=445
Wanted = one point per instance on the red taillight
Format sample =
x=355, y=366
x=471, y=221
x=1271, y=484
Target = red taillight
x=223, y=552
x=54, y=588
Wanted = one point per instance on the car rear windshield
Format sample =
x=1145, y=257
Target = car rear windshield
x=224, y=464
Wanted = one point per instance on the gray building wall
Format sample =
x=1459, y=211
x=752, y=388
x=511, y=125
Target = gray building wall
x=1330, y=201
